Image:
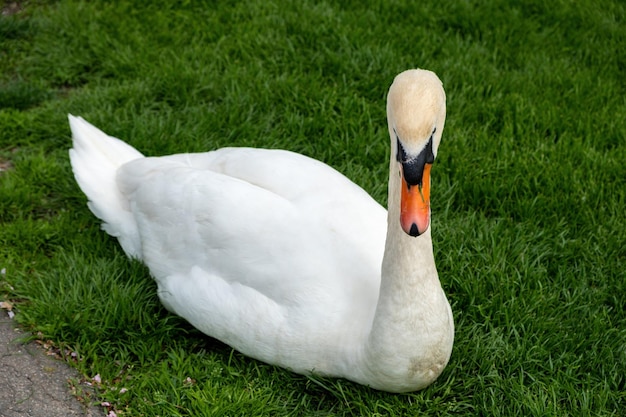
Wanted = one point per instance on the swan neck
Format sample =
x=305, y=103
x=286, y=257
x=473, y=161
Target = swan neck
x=412, y=331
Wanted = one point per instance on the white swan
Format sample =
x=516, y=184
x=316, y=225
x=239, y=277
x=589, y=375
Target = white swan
x=284, y=258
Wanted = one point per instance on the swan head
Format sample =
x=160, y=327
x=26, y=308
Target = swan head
x=416, y=113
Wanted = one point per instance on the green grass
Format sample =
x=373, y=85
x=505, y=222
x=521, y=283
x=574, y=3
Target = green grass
x=528, y=189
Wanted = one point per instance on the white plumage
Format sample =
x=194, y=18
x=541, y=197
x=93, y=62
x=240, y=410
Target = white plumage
x=280, y=255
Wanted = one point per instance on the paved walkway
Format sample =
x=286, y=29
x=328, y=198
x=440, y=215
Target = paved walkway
x=33, y=384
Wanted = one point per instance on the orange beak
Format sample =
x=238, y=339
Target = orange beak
x=415, y=205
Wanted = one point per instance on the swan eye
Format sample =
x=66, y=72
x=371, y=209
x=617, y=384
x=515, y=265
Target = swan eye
x=401, y=155
x=429, y=155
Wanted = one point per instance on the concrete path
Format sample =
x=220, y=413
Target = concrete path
x=33, y=384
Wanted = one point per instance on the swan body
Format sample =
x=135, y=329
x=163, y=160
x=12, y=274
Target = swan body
x=281, y=256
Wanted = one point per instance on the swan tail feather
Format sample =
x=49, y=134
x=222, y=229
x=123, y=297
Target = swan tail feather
x=95, y=158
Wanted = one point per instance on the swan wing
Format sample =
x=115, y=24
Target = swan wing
x=295, y=239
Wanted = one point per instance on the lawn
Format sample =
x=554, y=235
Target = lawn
x=528, y=193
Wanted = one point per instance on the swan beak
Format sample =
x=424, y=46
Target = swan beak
x=415, y=204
